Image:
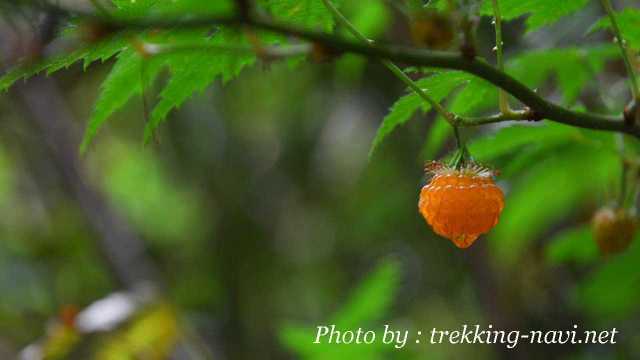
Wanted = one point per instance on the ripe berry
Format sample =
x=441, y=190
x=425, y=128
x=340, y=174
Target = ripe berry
x=613, y=229
x=461, y=204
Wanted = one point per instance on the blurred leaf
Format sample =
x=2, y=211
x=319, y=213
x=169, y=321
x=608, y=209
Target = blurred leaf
x=372, y=298
x=509, y=139
x=612, y=290
x=572, y=245
x=159, y=207
x=59, y=342
x=437, y=86
x=152, y=335
x=365, y=305
x=542, y=12
x=306, y=13
x=548, y=191
x=629, y=23
x=371, y=20
x=574, y=68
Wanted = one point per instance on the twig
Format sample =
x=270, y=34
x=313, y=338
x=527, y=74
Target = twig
x=497, y=20
x=622, y=43
x=390, y=65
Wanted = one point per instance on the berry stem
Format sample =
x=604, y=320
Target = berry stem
x=341, y=19
x=461, y=157
x=497, y=20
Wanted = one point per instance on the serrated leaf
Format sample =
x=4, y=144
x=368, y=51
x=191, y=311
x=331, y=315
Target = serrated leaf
x=629, y=23
x=437, y=86
x=541, y=12
x=194, y=72
x=100, y=51
x=123, y=82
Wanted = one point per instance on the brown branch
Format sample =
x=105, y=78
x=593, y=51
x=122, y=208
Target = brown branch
x=542, y=108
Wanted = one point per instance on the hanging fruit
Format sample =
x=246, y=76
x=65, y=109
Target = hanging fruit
x=613, y=229
x=461, y=202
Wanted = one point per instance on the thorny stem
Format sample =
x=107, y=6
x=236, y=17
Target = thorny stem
x=497, y=20
x=635, y=88
x=542, y=108
x=340, y=18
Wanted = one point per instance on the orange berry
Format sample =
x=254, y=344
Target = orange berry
x=613, y=229
x=460, y=205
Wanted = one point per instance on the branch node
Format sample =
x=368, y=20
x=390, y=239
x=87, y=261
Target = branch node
x=321, y=53
x=468, y=51
x=532, y=115
x=631, y=113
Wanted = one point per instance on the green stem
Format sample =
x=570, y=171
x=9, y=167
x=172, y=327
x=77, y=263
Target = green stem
x=622, y=43
x=497, y=19
x=340, y=18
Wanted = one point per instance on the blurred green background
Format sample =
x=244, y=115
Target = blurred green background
x=264, y=216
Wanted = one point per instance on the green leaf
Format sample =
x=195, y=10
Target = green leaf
x=129, y=9
x=476, y=96
x=510, y=139
x=194, y=72
x=100, y=51
x=542, y=12
x=574, y=68
x=305, y=13
x=612, y=291
x=573, y=245
x=123, y=82
x=549, y=191
x=437, y=86
x=371, y=299
x=368, y=301
x=629, y=22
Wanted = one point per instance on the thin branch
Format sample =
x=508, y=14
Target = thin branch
x=539, y=106
x=622, y=43
x=268, y=52
x=497, y=20
x=340, y=18
x=522, y=115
